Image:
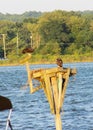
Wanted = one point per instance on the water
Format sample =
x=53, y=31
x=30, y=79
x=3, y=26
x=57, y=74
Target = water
x=32, y=112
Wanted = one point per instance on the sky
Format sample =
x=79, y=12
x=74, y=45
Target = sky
x=21, y=6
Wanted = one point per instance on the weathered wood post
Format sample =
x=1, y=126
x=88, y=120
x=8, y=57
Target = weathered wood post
x=54, y=82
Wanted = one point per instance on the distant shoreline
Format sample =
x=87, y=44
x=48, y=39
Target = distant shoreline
x=37, y=63
x=51, y=59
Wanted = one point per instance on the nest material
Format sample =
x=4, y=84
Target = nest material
x=28, y=50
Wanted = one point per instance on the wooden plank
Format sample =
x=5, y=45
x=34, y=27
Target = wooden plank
x=65, y=86
x=29, y=77
x=60, y=90
x=49, y=92
x=58, y=122
x=39, y=72
x=55, y=92
x=52, y=108
x=52, y=71
x=32, y=89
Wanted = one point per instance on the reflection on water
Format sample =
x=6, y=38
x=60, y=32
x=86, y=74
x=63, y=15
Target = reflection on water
x=32, y=112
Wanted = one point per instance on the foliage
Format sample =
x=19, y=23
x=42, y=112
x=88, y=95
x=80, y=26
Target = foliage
x=51, y=48
x=21, y=17
x=49, y=33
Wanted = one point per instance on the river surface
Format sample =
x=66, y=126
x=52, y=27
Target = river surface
x=32, y=111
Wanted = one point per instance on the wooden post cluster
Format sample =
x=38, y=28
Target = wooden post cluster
x=54, y=82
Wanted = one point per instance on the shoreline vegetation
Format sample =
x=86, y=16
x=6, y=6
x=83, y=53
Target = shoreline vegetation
x=52, y=35
x=39, y=59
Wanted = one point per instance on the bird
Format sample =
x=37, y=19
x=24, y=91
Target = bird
x=59, y=62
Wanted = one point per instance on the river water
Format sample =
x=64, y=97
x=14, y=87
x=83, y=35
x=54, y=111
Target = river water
x=32, y=112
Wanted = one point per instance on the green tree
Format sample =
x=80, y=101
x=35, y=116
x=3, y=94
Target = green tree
x=51, y=48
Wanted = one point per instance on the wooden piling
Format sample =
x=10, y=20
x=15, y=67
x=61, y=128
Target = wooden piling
x=54, y=83
x=58, y=122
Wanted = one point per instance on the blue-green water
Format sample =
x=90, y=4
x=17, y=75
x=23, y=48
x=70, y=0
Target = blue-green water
x=32, y=112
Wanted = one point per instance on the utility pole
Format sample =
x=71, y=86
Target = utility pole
x=4, y=45
x=31, y=40
x=17, y=45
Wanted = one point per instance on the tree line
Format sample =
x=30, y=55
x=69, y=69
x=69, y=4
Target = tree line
x=49, y=33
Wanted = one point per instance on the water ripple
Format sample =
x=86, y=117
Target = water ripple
x=32, y=112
